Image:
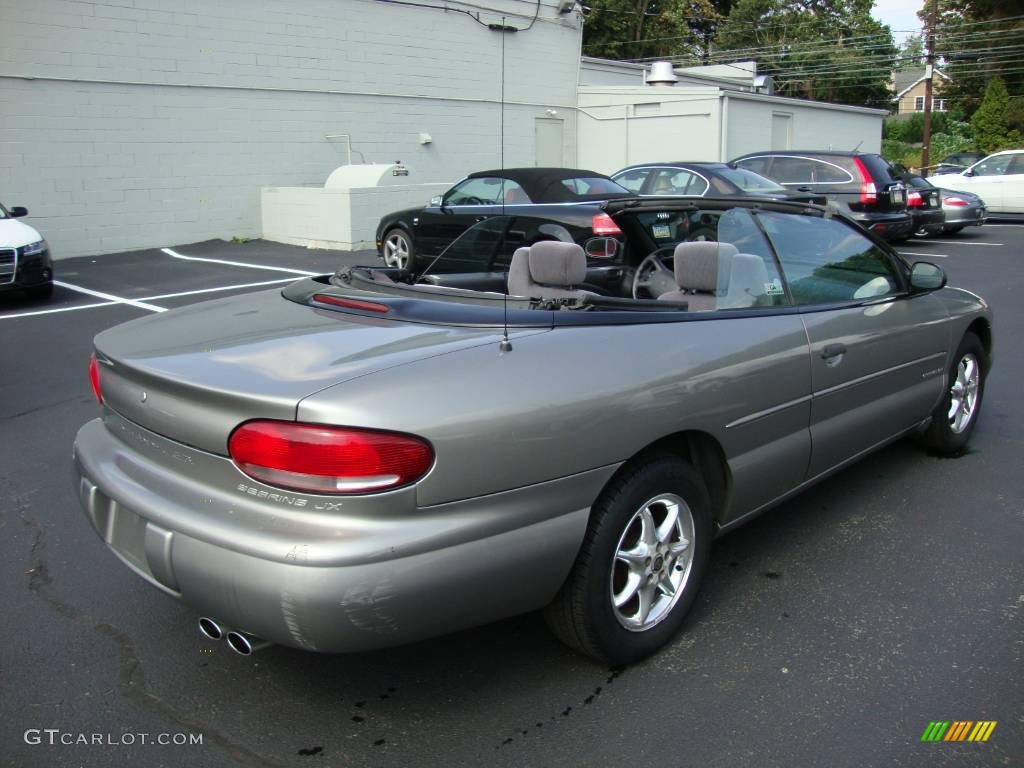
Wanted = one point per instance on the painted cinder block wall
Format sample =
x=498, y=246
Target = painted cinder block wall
x=137, y=123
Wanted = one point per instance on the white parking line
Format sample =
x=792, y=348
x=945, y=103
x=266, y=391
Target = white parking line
x=222, y=288
x=109, y=297
x=961, y=242
x=59, y=309
x=915, y=253
x=177, y=255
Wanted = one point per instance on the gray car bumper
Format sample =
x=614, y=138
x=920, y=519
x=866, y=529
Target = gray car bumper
x=381, y=574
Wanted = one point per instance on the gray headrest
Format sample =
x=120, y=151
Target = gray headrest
x=557, y=263
x=696, y=264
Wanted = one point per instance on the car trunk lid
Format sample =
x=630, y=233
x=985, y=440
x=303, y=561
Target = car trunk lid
x=194, y=374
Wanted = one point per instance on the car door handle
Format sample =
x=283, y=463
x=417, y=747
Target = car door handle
x=480, y=218
x=832, y=351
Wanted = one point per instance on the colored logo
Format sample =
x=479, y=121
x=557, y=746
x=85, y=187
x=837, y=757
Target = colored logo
x=958, y=730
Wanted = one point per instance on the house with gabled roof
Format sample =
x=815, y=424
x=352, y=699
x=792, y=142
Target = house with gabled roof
x=909, y=85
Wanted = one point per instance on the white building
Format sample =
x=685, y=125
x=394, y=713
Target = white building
x=136, y=123
x=707, y=113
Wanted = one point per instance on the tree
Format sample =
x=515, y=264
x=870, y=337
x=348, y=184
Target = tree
x=978, y=40
x=830, y=50
x=989, y=124
x=911, y=53
x=639, y=29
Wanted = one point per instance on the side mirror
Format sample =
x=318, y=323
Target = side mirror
x=968, y=172
x=925, y=276
x=435, y=201
x=18, y=211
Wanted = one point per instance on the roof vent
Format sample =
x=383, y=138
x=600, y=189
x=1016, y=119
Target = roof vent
x=662, y=74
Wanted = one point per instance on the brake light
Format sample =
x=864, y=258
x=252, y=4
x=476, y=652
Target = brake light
x=605, y=226
x=94, y=378
x=337, y=301
x=957, y=201
x=914, y=199
x=868, y=191
x=331, y=460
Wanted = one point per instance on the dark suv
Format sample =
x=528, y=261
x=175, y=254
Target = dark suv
x=864, y=186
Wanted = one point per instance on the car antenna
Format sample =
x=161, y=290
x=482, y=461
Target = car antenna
x=505, y=345
x=858, y=145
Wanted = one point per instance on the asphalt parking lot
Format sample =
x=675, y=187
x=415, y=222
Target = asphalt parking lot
x=830, y=631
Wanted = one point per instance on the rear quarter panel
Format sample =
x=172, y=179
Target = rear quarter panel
x=578, y=398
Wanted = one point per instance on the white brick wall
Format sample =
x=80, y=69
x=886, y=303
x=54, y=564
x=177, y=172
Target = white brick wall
x=127, y=124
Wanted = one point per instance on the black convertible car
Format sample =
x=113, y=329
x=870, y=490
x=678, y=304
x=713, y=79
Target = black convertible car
x=548, y=204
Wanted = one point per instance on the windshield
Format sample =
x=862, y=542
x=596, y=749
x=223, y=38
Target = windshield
x=3, y=212
x=749, y=181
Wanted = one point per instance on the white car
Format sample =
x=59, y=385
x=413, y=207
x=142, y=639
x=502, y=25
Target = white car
x=998, y=180
x=25, y=262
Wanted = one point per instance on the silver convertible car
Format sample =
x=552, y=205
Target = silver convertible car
x=376, y=456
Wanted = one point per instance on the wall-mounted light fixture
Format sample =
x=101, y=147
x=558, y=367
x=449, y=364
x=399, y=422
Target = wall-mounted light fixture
x=425, y=138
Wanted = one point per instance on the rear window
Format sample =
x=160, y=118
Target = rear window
x=808, y=170
x=880, y=169
x=750, y=181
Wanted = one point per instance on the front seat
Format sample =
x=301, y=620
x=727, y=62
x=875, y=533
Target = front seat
x=748, y=283
x=701, y=269
x=548, y=270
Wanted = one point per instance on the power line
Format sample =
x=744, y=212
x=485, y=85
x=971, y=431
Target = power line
x=881, y=36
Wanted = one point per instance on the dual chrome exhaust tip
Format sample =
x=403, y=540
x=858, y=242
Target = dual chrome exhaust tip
x=241, y=643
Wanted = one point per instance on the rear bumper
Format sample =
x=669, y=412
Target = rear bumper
x=931, y=221
x=889, y=226
x=383, y=574
x=960, y=216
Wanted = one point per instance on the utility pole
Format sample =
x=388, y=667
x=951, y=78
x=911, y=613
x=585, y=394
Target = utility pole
x=929, y=74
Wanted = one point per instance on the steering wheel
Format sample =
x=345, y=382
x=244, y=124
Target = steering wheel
x=470, y=201
x=701, y=234
x=654, y=276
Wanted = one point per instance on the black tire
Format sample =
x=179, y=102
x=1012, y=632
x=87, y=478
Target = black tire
x=397, y=249
x=582, y=615
x=41, y=292
x=945, y=436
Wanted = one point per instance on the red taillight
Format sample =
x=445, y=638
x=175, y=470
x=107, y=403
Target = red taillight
x=322, y=459
x=338, y=301
x=94, y=378
x=868, y=191
x=605, y=226
x=957, y=201
x=914, y=199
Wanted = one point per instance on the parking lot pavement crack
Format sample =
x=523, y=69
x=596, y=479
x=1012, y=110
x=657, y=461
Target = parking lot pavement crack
x=44, y=407
x=132, y=678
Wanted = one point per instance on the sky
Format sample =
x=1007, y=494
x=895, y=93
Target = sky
x=898, y=14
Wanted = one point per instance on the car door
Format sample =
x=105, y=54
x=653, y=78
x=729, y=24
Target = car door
x=468, y=202
x=632, y=179
x=677, y=181
x=878, y=353
x=986, y=179
x=1013, y=185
